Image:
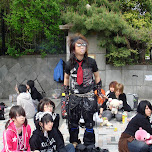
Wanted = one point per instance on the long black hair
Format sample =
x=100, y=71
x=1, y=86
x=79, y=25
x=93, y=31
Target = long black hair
x=14, y=111
x=142, y=106
x=72, y=42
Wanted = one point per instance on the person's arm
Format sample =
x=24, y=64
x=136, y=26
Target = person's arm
x=59, y=141
x=145, y=124
x=66, y=79
x=56, y=121
x=98, y=82
x=7, y=140
x=97, y=77
x=126, y=107
x=35, y=94
x=34, y=144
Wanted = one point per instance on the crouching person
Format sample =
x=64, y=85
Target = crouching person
x=46, y=137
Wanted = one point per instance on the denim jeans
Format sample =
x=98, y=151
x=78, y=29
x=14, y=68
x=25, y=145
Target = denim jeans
x=70, y=148
x=138, y=146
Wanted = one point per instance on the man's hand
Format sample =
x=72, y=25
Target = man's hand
x=16, y=89
x=103, y=96
x=66, y=91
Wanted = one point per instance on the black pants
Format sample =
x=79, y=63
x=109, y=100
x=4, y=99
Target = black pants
x=85, y=107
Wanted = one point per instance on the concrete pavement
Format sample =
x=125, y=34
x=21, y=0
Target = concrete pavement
x=106, y=137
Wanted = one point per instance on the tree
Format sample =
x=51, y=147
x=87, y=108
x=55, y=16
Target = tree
x=3, y=8
x=122, y=38
x=33, y=25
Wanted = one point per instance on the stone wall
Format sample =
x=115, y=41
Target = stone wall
x=123, y=75
x=15, y=71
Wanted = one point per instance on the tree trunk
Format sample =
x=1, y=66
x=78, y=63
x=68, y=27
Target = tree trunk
x=142, y=52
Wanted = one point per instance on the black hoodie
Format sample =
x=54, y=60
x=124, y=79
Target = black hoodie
x=35, y=94
x=52, y=143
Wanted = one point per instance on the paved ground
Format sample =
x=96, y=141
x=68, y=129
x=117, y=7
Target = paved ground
x=106, y=137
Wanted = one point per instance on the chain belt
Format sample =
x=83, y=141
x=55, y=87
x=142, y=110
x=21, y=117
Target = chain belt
x=88, y=94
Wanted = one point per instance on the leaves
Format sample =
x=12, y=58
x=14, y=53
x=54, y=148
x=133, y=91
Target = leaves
x=32, y=21
x=122, y=27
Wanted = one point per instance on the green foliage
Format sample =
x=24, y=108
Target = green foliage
x=30, y=22
x=17, y=53
x=121, y=28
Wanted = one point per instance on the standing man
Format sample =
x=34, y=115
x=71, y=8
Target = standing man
x=78, y=79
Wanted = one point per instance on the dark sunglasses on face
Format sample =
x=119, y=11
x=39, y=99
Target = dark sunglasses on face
x=81, y=44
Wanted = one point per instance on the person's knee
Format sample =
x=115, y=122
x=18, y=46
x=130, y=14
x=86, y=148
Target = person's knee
x=107, y=114
x=118, y=117
x=144, y=148
x=138, y=146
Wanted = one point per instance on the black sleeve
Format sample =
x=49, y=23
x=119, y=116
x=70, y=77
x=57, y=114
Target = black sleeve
x=67, y=67
x=59, y=141
x=95, y=67
x=36, y=122
x=35, y=94
x=126, y=107
x=34, y=144
x=56, y=121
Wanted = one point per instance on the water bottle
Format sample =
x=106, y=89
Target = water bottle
x=124, y=117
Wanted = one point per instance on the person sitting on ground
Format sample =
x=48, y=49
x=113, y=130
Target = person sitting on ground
x=17, y=131
x=24, y=99
x=105, y=111
x=46, y=136
x=127, y=141
x=36, y=96
x=47, y=105
x=112, y=86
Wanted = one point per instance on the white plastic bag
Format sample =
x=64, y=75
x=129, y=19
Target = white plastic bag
x=96, y=118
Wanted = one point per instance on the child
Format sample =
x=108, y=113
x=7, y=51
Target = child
x=118, y=93
x=17, y=132
x=24, y=99
x=79, y=72
x=46, y=105
x=46, y=136
x=36, y=96
x=112, y=86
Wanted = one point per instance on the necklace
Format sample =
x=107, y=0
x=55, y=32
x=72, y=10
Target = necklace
x=20, y=139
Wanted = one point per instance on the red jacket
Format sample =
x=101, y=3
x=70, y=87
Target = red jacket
x=10, y=140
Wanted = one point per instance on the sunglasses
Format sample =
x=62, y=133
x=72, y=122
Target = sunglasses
x=81, y=44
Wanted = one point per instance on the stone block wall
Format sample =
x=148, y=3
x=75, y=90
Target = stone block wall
x=123, y=75
x=16, y=71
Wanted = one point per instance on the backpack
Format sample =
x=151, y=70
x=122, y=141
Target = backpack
x=58, y=72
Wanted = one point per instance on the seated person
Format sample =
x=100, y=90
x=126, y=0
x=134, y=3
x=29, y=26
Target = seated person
x=36, y=96
x=46, y=136
x=127, y=141
x=47, y=105
x=105, y=110
x=24, y=99
x=112, y=86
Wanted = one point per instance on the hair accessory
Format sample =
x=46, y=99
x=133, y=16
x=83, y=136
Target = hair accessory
x=40, y=115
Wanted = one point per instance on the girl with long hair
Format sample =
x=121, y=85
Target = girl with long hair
x=17, y=132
